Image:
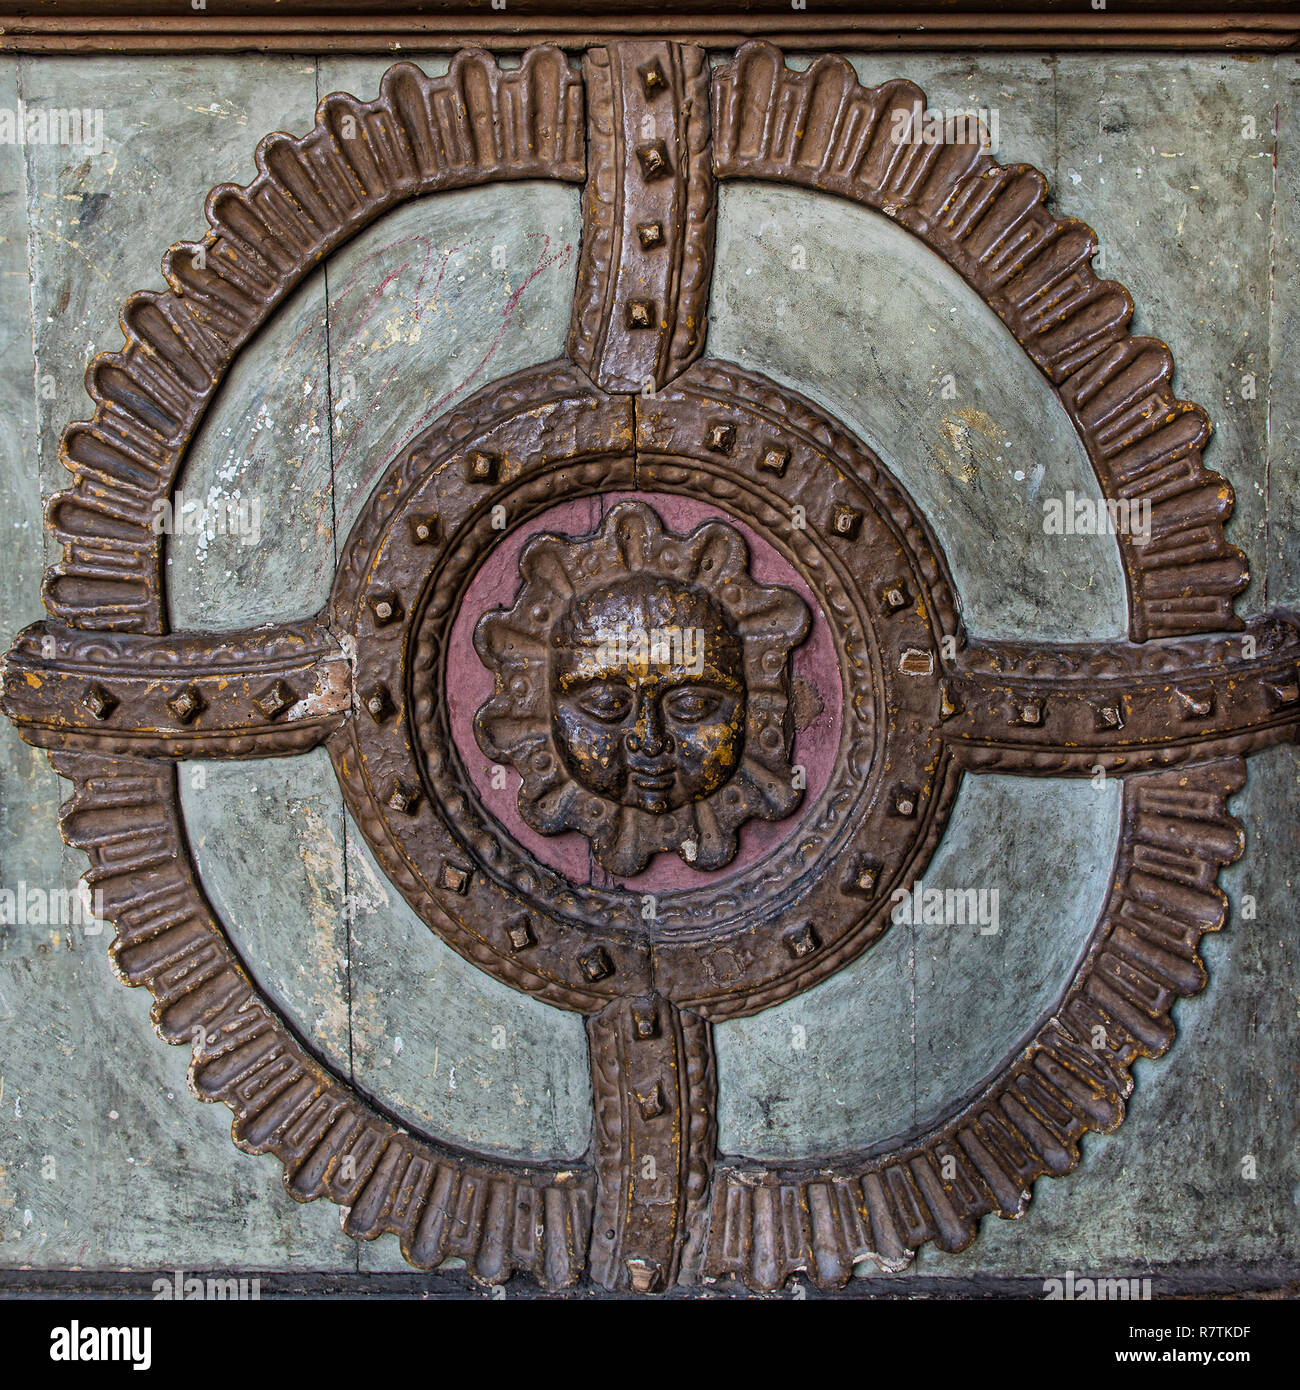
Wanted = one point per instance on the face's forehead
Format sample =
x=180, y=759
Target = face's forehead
x=646, y=602
x=649, y=632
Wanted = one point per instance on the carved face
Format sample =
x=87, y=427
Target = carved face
x=649, y=694
x=642, y=689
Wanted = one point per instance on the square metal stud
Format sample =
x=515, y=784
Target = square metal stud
x=651, y=235
x=386, y=607
x=403, y=798
x=640, y=313
x=596, y=964
x=520, y=933
x=482, y=467
x=645, y=1020
x=803, y=941
x=452, y=877
x=275, y=701
x=1194, y=704
x=651, y=1103
x=1029, y=714
x=865, y=877
x=377, y=702
x=721, y=437
x=1109, y=717
x=652, y=77
x=846, y=521
x=775, y=458
x=653, y=158
x=99, y=701
x=424, y=529
x=894, y=596
x=1284, y=692
x=186, y=704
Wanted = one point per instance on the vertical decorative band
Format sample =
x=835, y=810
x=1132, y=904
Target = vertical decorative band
x=648, y=215
x=655, y=1134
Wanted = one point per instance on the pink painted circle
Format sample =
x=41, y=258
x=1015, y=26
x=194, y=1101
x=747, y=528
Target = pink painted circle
x=815, y=678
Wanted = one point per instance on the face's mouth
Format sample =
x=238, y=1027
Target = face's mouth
x=649, y=785
x=657, y=775
x=652, y=777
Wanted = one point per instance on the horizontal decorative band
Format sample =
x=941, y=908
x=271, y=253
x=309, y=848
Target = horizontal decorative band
x=395, y=28
x=259, y=693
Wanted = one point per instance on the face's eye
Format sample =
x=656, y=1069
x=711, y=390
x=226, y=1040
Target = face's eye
x=691, y=705
x=611, y=704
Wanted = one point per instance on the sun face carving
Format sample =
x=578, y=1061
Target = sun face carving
x=649, y=693
x=642, y=689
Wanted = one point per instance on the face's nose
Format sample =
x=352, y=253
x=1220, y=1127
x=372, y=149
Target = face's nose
x=648, y=735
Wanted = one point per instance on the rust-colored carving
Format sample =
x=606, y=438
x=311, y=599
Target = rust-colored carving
x=655, y=1136
x=648, y=214
x=442, y=26
x=1124, y=707
x=475, y=125
x=642, y=674
x=440, y=1203
x=721, y=948
x=639, y=423
x=821, y=128
x=1026, y=1121
x=277, y=689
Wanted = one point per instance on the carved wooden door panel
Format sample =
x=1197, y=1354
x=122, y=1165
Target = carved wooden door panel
x=658, y=694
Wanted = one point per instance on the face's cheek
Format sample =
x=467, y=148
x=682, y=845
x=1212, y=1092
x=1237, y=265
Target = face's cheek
x=593, y=750
x=708, y=752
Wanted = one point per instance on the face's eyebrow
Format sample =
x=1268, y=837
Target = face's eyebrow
x=710, y=677
x=653, y=679
x=595, y=675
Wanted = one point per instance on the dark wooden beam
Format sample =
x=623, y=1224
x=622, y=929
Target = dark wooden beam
x=394, y=26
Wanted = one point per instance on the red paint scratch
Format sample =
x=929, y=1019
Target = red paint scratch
x=546, y=260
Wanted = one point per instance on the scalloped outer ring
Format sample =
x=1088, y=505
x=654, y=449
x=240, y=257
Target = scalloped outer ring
x=480, y=124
